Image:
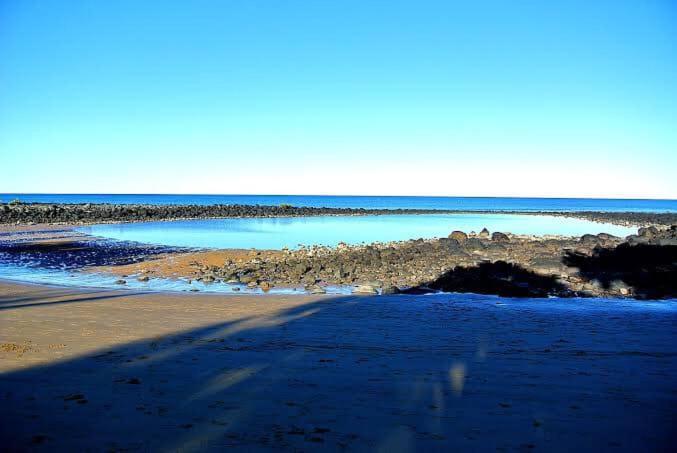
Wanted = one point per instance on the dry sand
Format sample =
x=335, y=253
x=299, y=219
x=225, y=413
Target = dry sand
x=184, y=264
x=119, y=370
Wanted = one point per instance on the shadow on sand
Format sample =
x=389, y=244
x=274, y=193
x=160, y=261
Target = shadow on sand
x=397, y=373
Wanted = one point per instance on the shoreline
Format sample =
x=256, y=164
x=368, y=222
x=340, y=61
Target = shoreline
x=638, y=266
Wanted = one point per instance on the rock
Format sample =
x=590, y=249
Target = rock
x=449, y=244
x=633, y=239
x=266, y=286
x=619, y=287
x=497, y=236
x=143, y=278
x=365, y=289
x=247, y=279
x=648, y=232
x=120, y=282
x=484, y=234
x=546, y=265
x=459, y=236
x=316, y=289
x=589, y=239
x=390, y=289
x=473, y=244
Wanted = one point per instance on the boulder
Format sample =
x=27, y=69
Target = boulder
x=497, y=236
x=390, y=289
x=474, y=244
x=365, y=289
x=484, y=234
x=265, y=286
x=459, y=236
x=316, y=289
x=648, y=232
x=633, y=239
x=589, y=239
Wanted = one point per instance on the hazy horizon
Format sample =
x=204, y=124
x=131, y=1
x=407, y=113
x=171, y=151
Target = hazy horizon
x=318, y=195
x=433, y=98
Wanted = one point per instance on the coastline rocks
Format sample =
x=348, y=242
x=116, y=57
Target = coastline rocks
x=532, y=266
x=27, y=213
x=484, y=234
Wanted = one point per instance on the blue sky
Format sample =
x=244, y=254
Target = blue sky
x=494, y=98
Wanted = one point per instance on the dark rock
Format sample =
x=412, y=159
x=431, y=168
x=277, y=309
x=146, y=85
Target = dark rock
x=391, y=289
x=648, y=232
x=459, y=236
x=607, y=237
x=589, y=239
x=497, y=236
x=474, y=244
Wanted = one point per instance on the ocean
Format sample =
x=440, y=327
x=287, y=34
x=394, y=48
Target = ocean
x=374, y=202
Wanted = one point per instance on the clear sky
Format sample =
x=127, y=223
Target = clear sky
x=495, y=98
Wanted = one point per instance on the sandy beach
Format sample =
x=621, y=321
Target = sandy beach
x=123, y=370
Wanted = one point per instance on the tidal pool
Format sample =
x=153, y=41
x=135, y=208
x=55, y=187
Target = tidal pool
x=277, y=233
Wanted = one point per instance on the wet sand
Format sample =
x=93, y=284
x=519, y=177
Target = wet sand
x=121, y=370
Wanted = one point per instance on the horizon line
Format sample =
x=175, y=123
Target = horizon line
x=338, y=195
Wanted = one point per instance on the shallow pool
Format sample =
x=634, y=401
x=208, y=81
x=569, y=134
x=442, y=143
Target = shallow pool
x=276, y=233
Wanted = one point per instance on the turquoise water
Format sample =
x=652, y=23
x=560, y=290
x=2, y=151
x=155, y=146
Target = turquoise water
x=374, y=202
x=276, y=233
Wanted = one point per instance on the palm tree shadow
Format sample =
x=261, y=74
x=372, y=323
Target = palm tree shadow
x=336, y=373
x=649, y=270
x=159, y=392
x=499, y=277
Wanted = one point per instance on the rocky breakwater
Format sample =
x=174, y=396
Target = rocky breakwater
x=641, y=265
x=644, y=219
x=35, y=213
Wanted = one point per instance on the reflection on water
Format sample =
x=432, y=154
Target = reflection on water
x=276, y=233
